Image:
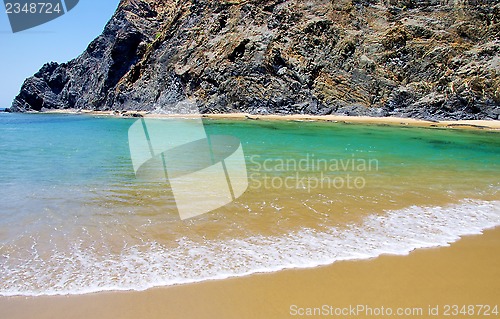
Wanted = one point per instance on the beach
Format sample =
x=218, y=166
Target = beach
x=466, y=273
x=83, y=237
x=398, y=121
x=250, y=159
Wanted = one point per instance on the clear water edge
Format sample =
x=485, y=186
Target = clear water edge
x=77, y=221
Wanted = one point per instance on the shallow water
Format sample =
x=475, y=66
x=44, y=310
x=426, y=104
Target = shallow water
x=75, y=219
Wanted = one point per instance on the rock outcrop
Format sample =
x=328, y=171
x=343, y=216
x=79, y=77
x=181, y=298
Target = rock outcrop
x=433, y=59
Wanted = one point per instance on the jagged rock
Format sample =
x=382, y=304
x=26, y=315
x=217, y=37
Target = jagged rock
x=433, y=59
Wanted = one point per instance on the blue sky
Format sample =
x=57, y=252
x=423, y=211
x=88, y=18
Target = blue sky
x=22, y=54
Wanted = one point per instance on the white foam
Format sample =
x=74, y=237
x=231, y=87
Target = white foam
x=152, y=265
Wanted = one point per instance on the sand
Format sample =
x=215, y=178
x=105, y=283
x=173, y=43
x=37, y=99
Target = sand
x=467, y=273
x=462, y=124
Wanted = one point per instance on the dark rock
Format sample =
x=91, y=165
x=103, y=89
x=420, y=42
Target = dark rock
x=432, y=59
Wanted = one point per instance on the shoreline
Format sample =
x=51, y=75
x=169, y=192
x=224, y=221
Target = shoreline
x=466, y=272
x=492, y=125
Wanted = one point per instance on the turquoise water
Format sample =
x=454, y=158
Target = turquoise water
x=67, y=149
x=74, y=218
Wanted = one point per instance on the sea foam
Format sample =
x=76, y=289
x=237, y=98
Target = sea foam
x=151, y=264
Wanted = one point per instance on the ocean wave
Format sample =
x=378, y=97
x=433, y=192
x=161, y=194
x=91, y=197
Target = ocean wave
x=151, y=264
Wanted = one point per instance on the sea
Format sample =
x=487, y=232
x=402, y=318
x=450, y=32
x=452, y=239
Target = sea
x=76, y=219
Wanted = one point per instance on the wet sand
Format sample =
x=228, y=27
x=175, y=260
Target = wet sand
x=466, y=273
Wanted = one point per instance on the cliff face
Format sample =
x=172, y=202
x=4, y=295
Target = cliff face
x=418, y=58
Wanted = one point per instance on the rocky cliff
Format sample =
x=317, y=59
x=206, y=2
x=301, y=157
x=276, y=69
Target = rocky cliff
x=429, y=59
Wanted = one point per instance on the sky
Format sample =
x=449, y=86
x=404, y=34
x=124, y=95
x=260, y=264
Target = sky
x=22, y=54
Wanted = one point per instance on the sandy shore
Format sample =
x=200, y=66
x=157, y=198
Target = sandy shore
x=467, y=124
x=467, y=273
